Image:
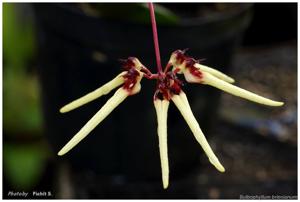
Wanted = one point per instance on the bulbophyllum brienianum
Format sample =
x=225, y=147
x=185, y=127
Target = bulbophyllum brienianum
x=168, y=88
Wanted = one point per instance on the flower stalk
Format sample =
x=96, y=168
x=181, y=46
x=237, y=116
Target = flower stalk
x=155, y=38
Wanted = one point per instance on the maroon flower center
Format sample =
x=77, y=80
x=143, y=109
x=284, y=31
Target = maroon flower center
x=167, y=85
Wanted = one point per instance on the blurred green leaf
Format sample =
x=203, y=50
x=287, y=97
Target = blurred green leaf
x=136, y=12
x=23, y=164
x=21, y=104
x=18, y=36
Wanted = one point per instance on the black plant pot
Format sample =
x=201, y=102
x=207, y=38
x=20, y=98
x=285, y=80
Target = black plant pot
x=78, y=53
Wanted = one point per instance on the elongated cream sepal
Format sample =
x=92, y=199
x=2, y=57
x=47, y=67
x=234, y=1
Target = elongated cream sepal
x=234, y=90
x=181, y=104
x=107, y=108
x=161, y=107
x=215, y=72
x=103, y=90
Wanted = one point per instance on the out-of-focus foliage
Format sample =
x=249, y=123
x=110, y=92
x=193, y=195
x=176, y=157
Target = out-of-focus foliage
x=21, y=102
x=23, y=164
x=133, y=12
x=18, y=37
x=24, y=154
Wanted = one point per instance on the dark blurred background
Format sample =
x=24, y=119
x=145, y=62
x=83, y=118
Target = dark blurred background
x=42, y=55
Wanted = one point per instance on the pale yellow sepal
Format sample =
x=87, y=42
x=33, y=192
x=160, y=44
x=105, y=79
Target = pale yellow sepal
x=182, y=104
x=161, y=107
x=214, y=72
x=119, y=96
x=103, y=90
x=234, y=90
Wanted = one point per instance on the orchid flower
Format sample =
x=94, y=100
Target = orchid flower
x=194, y=72
x=131, y=85
x=169, y=88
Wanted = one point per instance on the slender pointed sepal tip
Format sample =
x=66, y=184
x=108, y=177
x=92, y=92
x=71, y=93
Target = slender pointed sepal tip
x=161, y=107
x=103, y=90
x=107, y=108
x=237, y=91
x=217, y=165
x=165, y=184
x=183, y=106
x=62, y=110
x=61, y=153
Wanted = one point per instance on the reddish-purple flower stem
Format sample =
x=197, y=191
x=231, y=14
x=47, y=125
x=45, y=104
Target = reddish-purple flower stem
x=155, y=38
